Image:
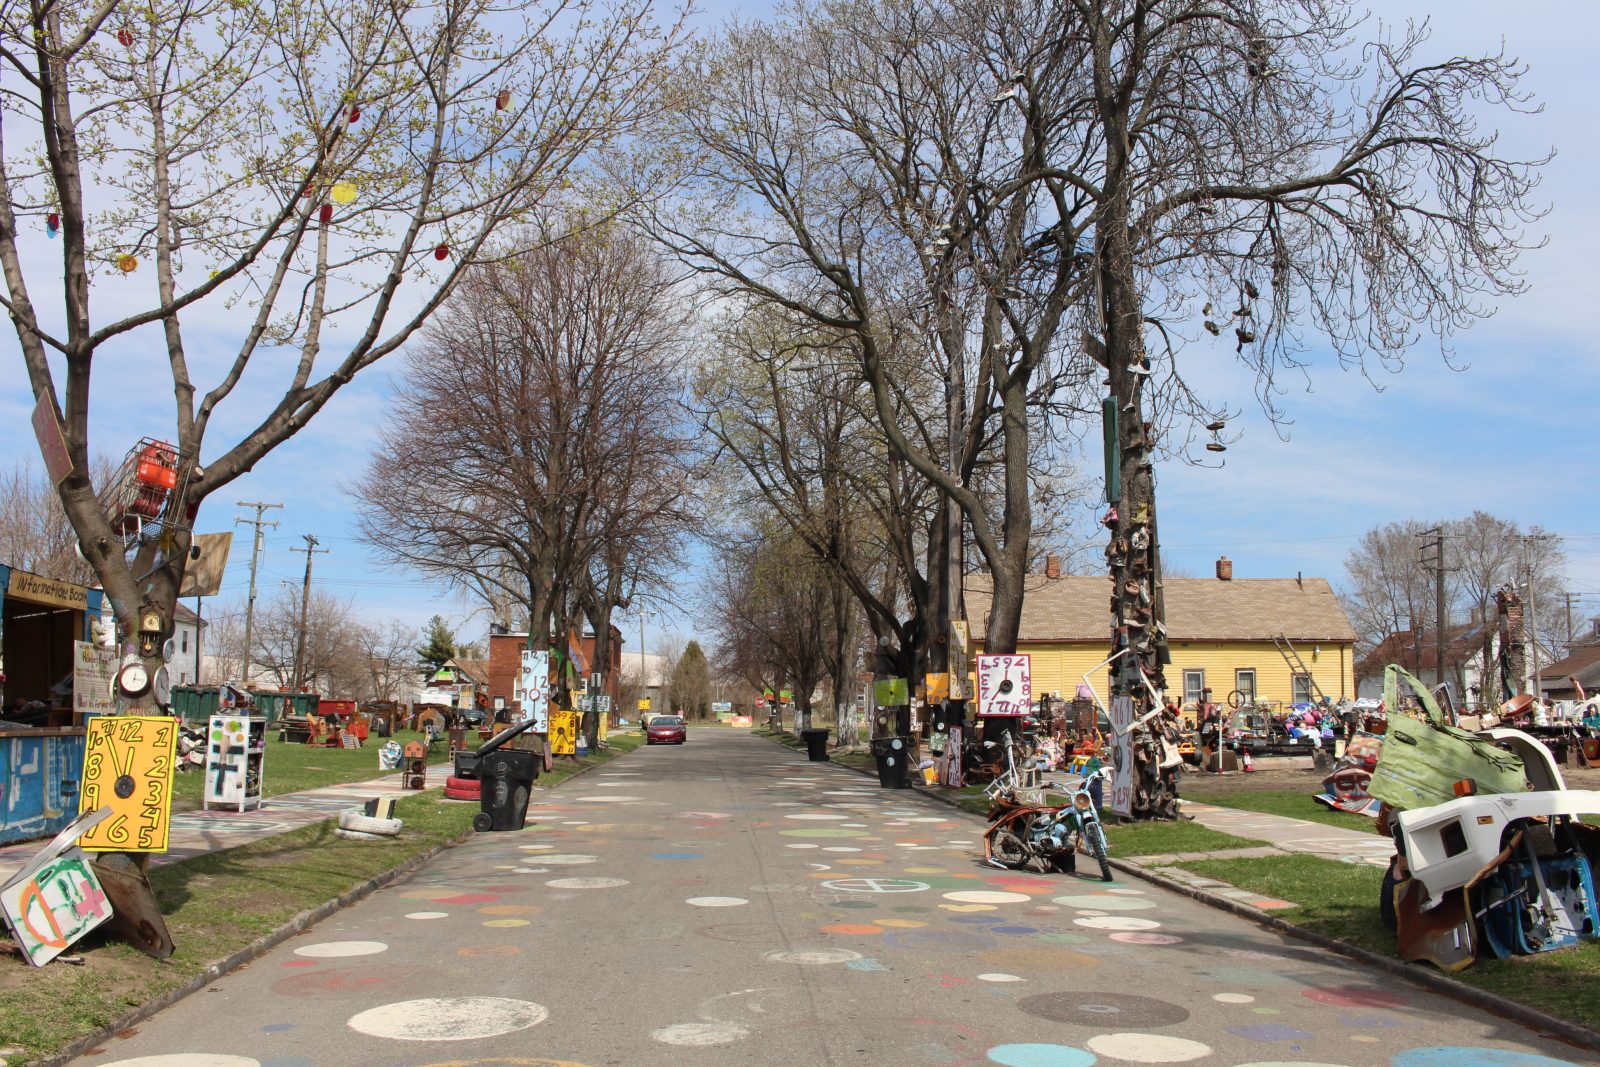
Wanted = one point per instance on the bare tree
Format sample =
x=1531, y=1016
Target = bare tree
x=34, y=532
x=319, y=177
x=536, y=426
x=388, y=652
x=334, y=659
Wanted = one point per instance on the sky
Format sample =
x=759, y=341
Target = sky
x=1512, y=433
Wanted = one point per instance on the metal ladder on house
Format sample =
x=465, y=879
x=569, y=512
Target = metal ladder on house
x=1296, y=664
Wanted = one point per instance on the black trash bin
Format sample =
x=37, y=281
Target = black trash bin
x=507, y=775
x=816, y=745
x=894, y=761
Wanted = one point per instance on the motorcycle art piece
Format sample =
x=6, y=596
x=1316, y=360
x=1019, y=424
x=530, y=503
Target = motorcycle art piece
x=1024, y=832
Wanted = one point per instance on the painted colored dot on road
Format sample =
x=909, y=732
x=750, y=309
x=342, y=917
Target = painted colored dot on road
x=830, y=848
x=814, y=957
x=449, y=1018
x=812, y=816
x=586, y=883
x=716, y=902
x=987, y=896
x=1357, y=997
x=876, y=885
x=1040, y=1056
x=506, y=923
x=467, y=898
x=510, y=909
x=1106, y=903
x=700, y=1035
x=852, y=929
x=336, y=949
x=1455, y=1055
x=427, y=914
x=1144, y=937
x=901, y=924
x=188, y=1059
x=1233, y=998
x=1147, y=1048
x=1116, y=922
x=807, y=844
x=995, y=976
x=823, y=831
x=565, y=860
x=1287, y=1063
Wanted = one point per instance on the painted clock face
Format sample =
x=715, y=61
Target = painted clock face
x=128, y=767
x=134, y=679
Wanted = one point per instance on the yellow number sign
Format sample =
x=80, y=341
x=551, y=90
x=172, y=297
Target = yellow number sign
x=563, y=733
x=127, y=766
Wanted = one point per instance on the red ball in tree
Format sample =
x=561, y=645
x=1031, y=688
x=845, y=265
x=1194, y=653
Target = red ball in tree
x=355, y=113
x=442, y=252
x=325, y=213
x=125, y=37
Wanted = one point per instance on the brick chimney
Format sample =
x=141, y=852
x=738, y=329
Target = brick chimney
x=1224, y=569
x=1052, y=566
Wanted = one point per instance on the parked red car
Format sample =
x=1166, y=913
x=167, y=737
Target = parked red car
x=665, y=730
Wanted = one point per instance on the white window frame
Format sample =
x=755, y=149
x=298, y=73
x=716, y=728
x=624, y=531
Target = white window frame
x=1198, y=692
x=1247, y=695
x=1301, y=689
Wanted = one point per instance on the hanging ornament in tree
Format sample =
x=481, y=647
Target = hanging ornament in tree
x=441, y=253
x=325, y=213
x=355, y=114
x=343, y=193
x=52, y=225
x=125, y=37
x=127, y=263
x=502, y=100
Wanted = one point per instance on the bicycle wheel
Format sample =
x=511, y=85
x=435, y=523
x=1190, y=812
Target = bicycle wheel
x=1236, y=700
x=1096, y=837
x=1009, y=849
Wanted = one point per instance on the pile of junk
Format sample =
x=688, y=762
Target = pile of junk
x=1492, y=859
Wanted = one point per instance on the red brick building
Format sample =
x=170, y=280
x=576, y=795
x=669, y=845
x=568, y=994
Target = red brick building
x=505, y=662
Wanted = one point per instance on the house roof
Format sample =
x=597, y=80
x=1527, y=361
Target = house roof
x=1582, y=663
x=1418, y=652
x=1078, y=608
x=476, y=669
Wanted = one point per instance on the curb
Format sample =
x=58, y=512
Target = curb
x=1433, y=981
x=267, y=942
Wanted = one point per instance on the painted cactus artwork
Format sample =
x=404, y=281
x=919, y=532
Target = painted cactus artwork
x=53, y=905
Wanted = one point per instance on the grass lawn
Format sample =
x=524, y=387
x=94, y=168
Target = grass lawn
x=1295, y=805
x=291, y=768
x=1340, y=900
x=215, y=905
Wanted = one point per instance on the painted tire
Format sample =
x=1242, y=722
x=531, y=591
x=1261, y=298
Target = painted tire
x=355, y=820
x=471, y=784
x=357, y=835
x=461, y=794
x=1097, y=845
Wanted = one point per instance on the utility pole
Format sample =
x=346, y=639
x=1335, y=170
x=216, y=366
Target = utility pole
x=1533, y=611
x=310, y=550
x=1436, y=563
x=255, y=557
x=1569, y=597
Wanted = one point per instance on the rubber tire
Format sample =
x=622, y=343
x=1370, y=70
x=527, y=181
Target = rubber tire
x=1096, y=839
x=1009, y=849
x=483, y=822
x=460, y=794
x=355, y=820
x=1386, y=909
x=357, y=835
x=452, y=782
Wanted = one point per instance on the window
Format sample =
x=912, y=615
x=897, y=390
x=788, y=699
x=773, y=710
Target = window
x=1302, y=689
x=1244, y=680
x=184, y=639
x=1194, y=685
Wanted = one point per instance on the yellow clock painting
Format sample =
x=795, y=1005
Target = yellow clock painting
x=563, y=733
x=127, y=766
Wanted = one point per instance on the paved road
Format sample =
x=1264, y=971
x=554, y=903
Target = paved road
x=728, y=903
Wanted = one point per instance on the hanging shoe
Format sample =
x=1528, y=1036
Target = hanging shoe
x=1140, y=539
x=1110, y=520
x=1139, y=367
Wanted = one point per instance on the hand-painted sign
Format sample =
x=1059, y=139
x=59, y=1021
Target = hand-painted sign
x=533, y=689
x=1005, y=685
x=563, y=733
x=127, y=767
x=891, y=692
x=93, y=669
x=56, y=898
x=37, y=590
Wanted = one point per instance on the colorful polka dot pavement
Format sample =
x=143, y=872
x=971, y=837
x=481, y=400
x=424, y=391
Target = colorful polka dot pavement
x=727, y=902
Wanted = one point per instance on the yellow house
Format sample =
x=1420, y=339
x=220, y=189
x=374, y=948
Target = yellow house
x=1278, y=640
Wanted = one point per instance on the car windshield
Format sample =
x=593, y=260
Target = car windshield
x=666, y=720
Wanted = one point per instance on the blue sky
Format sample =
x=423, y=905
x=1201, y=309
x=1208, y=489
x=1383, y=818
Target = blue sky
x=1513, y=434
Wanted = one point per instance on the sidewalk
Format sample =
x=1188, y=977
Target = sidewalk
x=195, y=833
